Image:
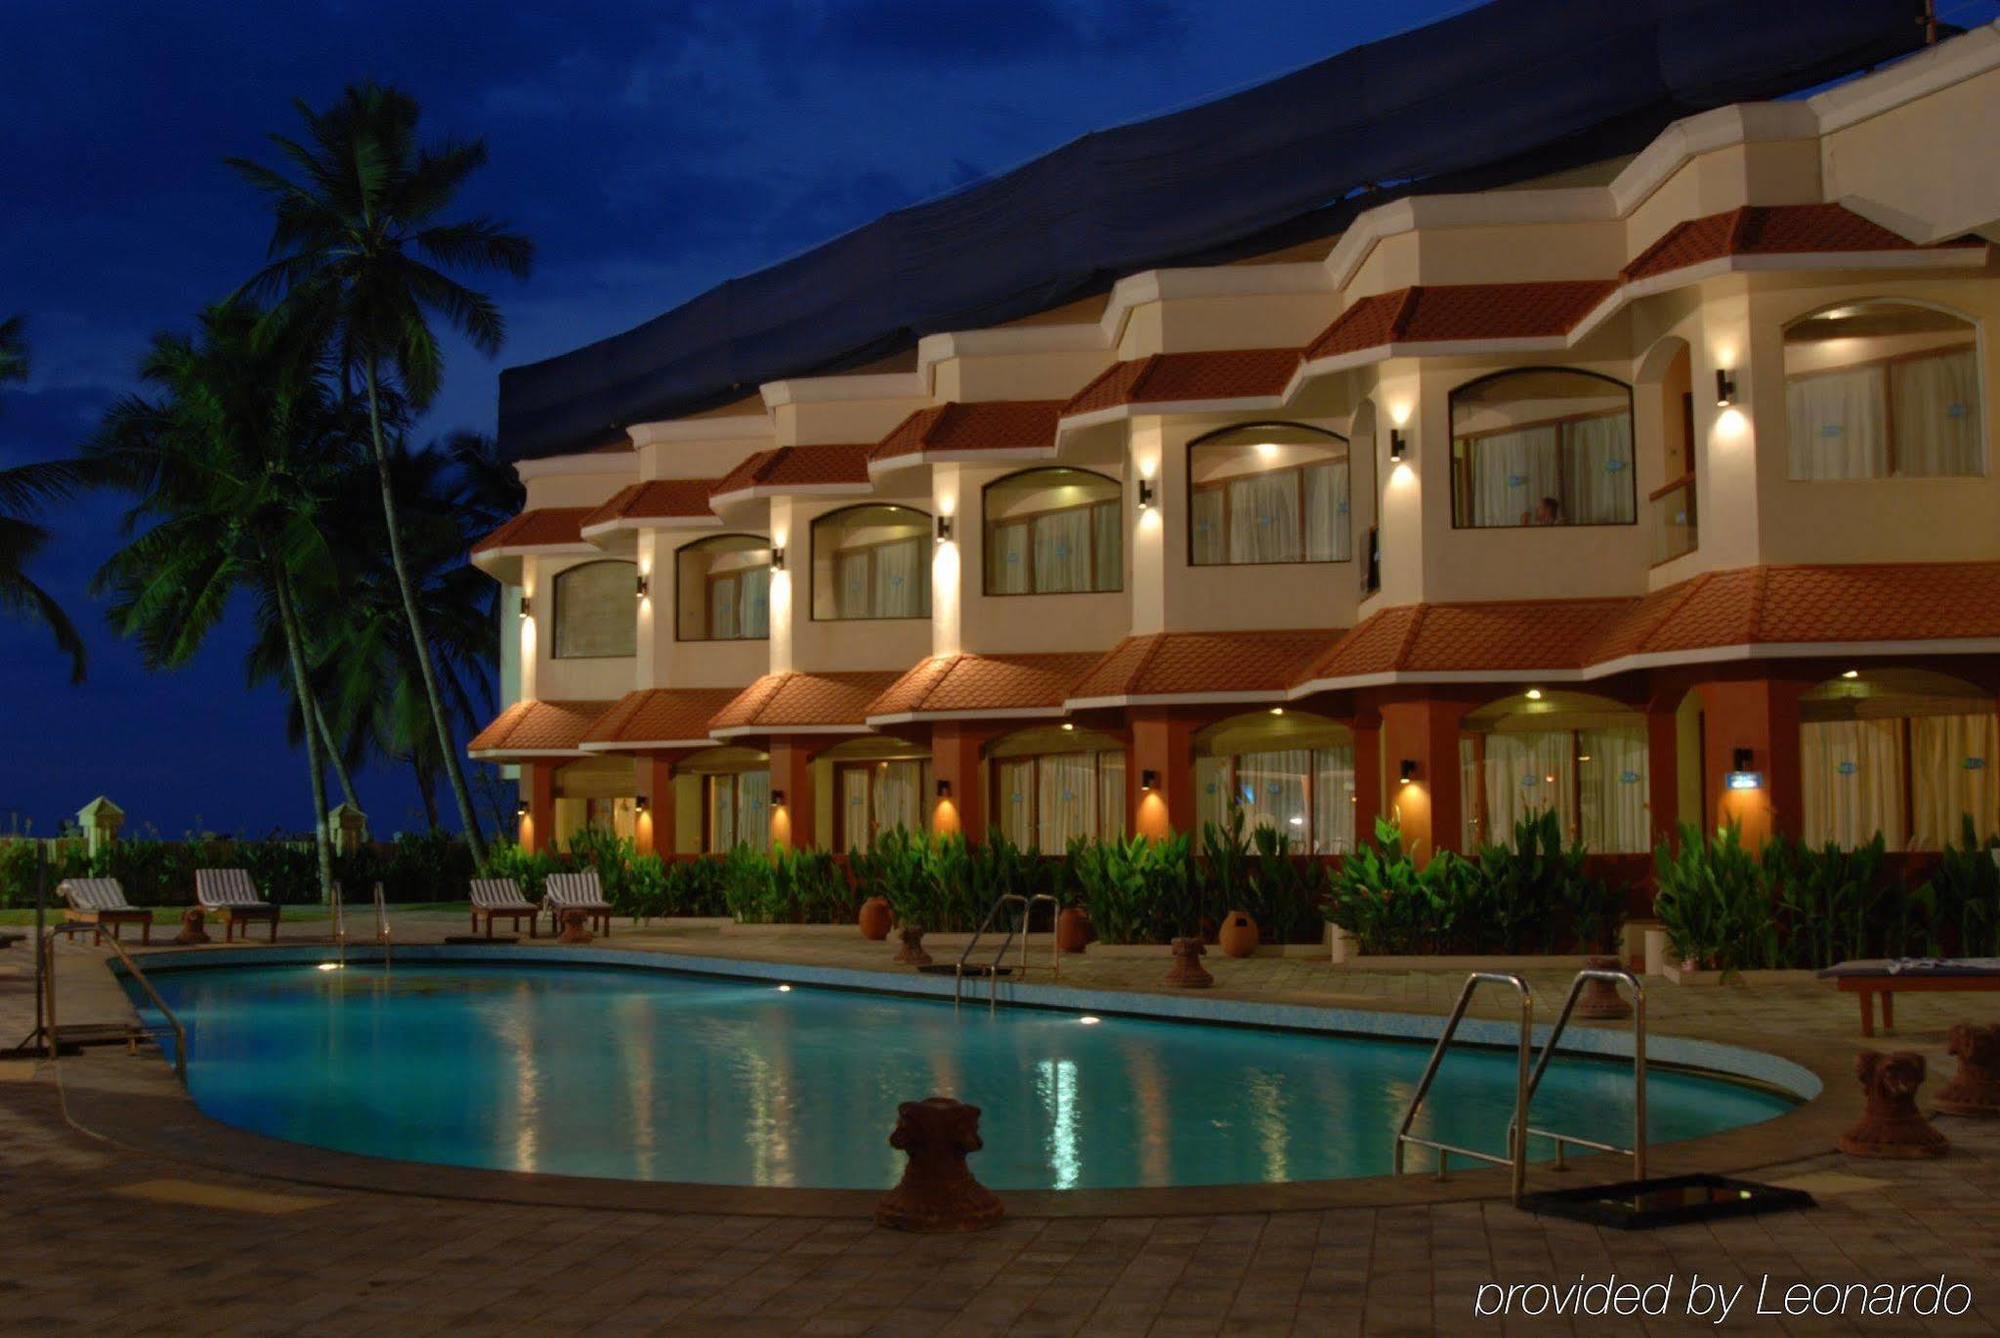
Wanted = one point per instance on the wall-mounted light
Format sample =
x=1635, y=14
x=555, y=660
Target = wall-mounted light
x=944, y=529
x=1149, y=780
x=645, y=584
x=943, y=788
x=1740, y=776
x=1145, y=493
x=527, y=607
x=1851, y=673
x=639, y=804
x=1725, y=387
x=778, y=558
x=1277, y=710
x=1534, y=694
x=1409, y=771
x=1399, y=445
x=1068, y=728
x=521, y=809
x=777, y=798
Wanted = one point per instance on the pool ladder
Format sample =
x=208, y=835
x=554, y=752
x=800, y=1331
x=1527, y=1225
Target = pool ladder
x=382, y=935
x=991, y=970
x=1528, y=1078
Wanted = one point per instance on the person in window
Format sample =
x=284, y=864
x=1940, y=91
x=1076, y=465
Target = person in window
x=1549, y=512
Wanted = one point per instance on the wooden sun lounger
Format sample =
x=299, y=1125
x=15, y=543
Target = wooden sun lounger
x=501, y=897
x=231, y=894
x=1871, y=980
x=100, y=902
x=576, y=892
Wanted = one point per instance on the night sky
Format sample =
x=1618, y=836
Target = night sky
x=650, y=150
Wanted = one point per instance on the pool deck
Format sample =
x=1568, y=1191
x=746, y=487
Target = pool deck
x=151, y=1218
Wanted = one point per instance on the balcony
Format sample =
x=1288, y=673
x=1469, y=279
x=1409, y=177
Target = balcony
x=1674, y=528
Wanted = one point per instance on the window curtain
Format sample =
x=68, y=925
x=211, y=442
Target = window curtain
x=1597, y=478
x=1511, y=472
x=1007, y=558
x=1468, y=791
x=1108, y=546
x=852, y=571
x=1208, y=546
x=896, y=787
x=754, y=603
x=1937, y=414
x=1611, y=785
x=1211, y=790
x=899, y=580
x=722, y=608
x=1062, y=551
x=854, y=826
x=1272, y=790
x=1952, y=762
x=1333, y=800
x=1838, y=425
x=594, y=611
x=1110, y=795
x=1328, y=537
x=1066, y=799
x=753, y=809
x=722, y=813
x=1853, y=781
x=1014, y=783
x=1264, y=518
x=1525, y=775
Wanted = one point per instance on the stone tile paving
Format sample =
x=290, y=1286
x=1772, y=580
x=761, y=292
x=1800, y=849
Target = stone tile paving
x=78, y=1254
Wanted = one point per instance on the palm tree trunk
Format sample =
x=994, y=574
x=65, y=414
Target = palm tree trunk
x=333, y=753
x=446, y=747
x=427, y=787
x=295, y=652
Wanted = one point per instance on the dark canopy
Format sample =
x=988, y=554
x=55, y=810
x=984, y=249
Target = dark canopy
x=1508, y=91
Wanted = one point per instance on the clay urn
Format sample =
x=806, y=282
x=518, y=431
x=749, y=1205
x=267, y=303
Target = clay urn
x=1073, y=933
x=937, y=1191
x=193, y=921
x=1976, y=1088
x=1238, y=935
x=1600, y=1000
x=575, y=927
x=1187, y=970
x=875, y=919
x=1892, y=1126
x=912, y=952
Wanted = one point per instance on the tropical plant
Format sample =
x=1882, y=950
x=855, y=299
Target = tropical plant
x=1138, y=889
x=695, y=887
x=1713, y=902
x=24, y=491
x=1392, y=905
x=1827, y=899
x=1534, y=889
x=1963, y=896
x=359, y=257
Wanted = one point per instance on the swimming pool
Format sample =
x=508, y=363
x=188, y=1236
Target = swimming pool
x=656, y=1075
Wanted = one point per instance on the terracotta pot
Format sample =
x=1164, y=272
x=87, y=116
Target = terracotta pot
x=1238, y=935
x=1073, y=932
x=876, y=917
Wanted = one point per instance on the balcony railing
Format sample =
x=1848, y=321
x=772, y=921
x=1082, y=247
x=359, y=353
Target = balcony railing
x=1674, y=529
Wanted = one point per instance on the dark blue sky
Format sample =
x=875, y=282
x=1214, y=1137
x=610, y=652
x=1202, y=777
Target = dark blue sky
x=650, y=149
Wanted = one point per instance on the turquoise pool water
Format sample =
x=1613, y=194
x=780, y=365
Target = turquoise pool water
x=651, y=1075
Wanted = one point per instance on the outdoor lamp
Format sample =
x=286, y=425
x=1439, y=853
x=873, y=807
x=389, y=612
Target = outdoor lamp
x=639, y=804
x=944, y=529
x=526, y=608
x=1741, y=777
x=1399, y=445
x=777, y=798
x=1145, y=493
x=778, y=558
x=943, y=788
x=1149, y=780
x=1725, y=387
x=1409, y=770
x=644, y=585
x=521, y=809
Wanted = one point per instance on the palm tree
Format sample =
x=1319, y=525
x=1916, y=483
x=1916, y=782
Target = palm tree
x=24, y=491
x=227, y=462
x=359, y=255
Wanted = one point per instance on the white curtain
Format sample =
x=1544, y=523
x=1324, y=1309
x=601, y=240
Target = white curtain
x=1951, y=764
x=1526, y=774
x=1611, y=784
x=1272, y=788
x=754, y=600
x=899, y=580
x=594, y=613
x=1597, y=474
x=1937, y=414
x=1469, y=826
x=1007, y=558
x=1838, y=425
x=851, y=570
x=1852, y=782
x=897, y=786
x=1211, y=791
x=722, y=608
x=1066, y=799
x=722, y=812
x=1062, y=551
x=855, y=833
x=1333, y=800
x=1327, y=533
x=1108, y=545
x=1110, y=795
x=1209, y=549
x=1264, y=518
x=1014, y=800
x=1511, y=472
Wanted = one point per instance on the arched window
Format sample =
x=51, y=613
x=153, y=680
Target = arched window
x=596, y=611
x=1882, y=389
x=1052, y=532
x=871, y=562
x=1904, y=752
x=1290, y=771
x=1268, y=492
x=1051, y=785
x=723, y=589
x=1582, y=756
x=1542, y=446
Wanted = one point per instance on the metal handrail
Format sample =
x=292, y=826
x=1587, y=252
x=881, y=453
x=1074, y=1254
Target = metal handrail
x=1517, y=1148
x=340, y=922
x=382, y=935
x=1027, y=905
x=1637, y=1152
x=48, y=949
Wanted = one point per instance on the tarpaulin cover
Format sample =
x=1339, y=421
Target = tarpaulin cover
x=1513, y=89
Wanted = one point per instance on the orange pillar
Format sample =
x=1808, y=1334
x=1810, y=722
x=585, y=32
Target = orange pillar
x=655, y=828
x=537, y=828
x=1429, y=807
x=1162, y=751
x=1367, y=728
x=1760, y=715
x=791, y=777
x=958, y=779
x=1663, y=772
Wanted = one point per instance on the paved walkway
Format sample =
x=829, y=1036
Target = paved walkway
x=96, y=1236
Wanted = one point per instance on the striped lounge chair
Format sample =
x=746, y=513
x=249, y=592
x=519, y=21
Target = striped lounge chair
x=576, y=892
x=230, y=894
x=101, y=902
x=501, y=897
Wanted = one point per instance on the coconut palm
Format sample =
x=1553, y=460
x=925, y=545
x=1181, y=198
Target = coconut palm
x=228, y=459
x=24, y=491
x=359, y=258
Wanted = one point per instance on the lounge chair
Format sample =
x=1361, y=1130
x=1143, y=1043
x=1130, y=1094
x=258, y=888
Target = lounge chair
x=230, y=894
x=497, y=897
x=1884, y=979
x=101, y=902
x=576, y=892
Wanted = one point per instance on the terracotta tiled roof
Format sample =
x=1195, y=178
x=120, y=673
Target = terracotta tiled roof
x=1777, y=229
x=959, y=684
x=1174, y=664
x=534, y=529
x=778, y=702
x=1461, y=311
x=1173, y=378
x=798, y=467
x=658, y=716
x=981, y=425
x=658, y=499
x=537, y=727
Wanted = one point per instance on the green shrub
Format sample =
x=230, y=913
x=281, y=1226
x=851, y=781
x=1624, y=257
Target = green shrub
x=1392, y=905
x=1962, y=898
x=1714, y=903
x=1138, y=890
x=1830, y=902
x=695, y=887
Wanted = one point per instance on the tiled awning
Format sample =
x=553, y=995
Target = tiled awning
x=1168, y=667
x=796, y=703
x=965, y=687
x=796, y=469
x=530, y=729
x=994, y=430
x=680, y=501
x=658, y=718
x=1166, y=381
